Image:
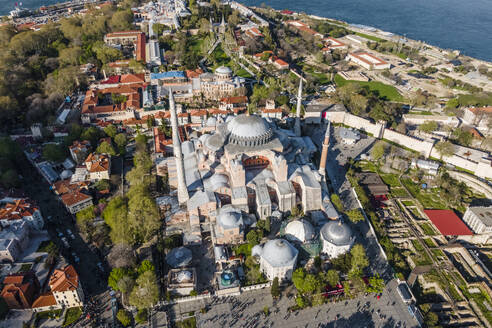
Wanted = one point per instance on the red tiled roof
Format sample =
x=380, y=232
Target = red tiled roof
x=44, y=300
x=64, y=279
x=287, y=12
x=123, y=34
x=359, y=55
x=198, y=112
x=160, y=141
x=97, y=162
x=235, y=100
x=281, y=62
x=112, y=79
x=17, y=210
x=140, y=48
x=448, y=223
x=271, y=110
x=476, y=110
x=190, y=74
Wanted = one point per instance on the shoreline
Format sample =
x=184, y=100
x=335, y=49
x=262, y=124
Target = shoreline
x=378, y=33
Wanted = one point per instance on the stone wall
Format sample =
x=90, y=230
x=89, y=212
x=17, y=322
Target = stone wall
x=421, y=146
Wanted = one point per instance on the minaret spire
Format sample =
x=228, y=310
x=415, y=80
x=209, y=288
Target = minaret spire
x=324, y=152
x=178, y=155
x=297, y=126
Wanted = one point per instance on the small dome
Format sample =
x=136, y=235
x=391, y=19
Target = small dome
x=179, y=257
x=337, y=233
x=223, y=70
x=229, y=217
x=187, y=147
x=279, y=253
x=249, y=130
x=66, y=174
x=300, y=231
x=214, y=142
x=218, y=181
x=184, y=276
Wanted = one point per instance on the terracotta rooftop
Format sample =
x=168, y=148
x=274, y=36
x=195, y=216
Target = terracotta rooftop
x=448, y=223
x=97, y=162
x=65, y=279
x=44, y=300
x=17, y=210
x=234, y=100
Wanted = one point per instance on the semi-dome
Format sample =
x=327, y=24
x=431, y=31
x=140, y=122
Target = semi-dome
x=300, y=231
x=214, y=142
x=230, y=217
x=179, y=257
x=184, y=276
x=218, y=181
x=337, y=233
x=279, y=253
x=249, y=130
x=211, y=121
x=223, y=70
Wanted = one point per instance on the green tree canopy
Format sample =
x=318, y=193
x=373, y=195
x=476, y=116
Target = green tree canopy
x=378, y=150
x=145, y=266
x=445, y=148
x=428, y=127
x=105, y=148
x=359, y=259
x=53, y=153
x=110, y=131
x=146, y=292
x=124, y=317
x=275, y=289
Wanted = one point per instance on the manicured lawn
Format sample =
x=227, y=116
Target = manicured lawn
x=408, y=203
x=399, y=192
x=390, y=179
x=427, y=229
x=437, y=252
x=72, y=315
x=418, y=246
x=243, y=249
x=243, y=73
x=384, y=91
x=322, y=78
x=366, y=166
x=220, y=57
x=196, y=45
x=49, y=314
x=369, y=37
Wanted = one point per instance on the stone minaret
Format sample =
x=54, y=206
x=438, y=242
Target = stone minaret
x=297, y=126
x=178, y=155
x=324, y=151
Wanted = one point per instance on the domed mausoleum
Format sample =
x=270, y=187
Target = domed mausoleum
x=277, y=258
x=299, y=231
x=337, y=238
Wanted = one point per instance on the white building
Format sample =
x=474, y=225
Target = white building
x=479, y=219
x=66, y=287
x=349, y=136
x=21, y=209
x=337, y=238
x=478, y=116
x=277, y=258
x=368, y=61
x=430, y=167
x=299, y=231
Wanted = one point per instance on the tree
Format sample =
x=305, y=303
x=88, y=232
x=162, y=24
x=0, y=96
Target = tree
x=91, y=134
x=275, y=290
x=378, y=150
x=266, y=311
x=376, y=284
x=428, y=127
x=115, y=276
x=125, y=285
x=252, y=238
x=142, y=316
x=300, y=302
x=124, y=317
x=359, y=259
x=53, y=153
x=332, y=277
x=120, y=141
x=445, y=148
x=85, y=217
x=105, y=148
x=355, y=215
x=122, y=20
x=146, y=293
x=110, y=131
x=193, y=293
x=145, y=266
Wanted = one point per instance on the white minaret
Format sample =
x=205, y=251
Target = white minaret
x=324, y=152
x=297, y=126
x=178, y=155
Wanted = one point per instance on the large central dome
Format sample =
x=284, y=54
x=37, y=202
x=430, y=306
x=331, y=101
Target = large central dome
x=249, y=130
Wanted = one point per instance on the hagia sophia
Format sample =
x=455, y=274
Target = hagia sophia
x=244, y=168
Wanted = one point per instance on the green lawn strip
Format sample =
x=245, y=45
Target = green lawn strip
x=437, y=252
x=429, y=242
x=427, y=229
x=390, y=179
x=244, y=249
x=399, y=192
x=243, y=73
x=370, y=37
x=384, y=91
x=72, y=315
x=49, y=314
x=408, y=203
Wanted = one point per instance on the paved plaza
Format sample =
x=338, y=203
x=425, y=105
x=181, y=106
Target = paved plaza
x=246, y=310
